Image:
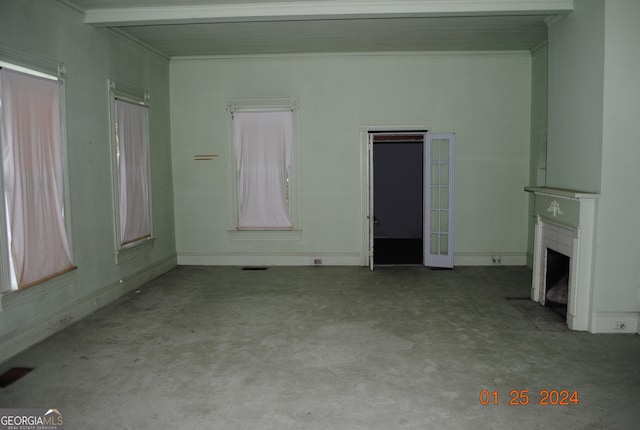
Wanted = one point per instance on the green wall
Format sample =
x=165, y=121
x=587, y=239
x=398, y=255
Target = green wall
x=53, y=32
x=617, y=268
x=483, y=97
x=594, y=109
x=576, y=56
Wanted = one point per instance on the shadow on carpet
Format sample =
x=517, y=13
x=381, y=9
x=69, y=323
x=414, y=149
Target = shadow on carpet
x=541, y=317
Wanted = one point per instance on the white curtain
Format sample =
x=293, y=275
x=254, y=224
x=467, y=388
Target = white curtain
x=32, y=157
x=263, y=159
x=133, y=177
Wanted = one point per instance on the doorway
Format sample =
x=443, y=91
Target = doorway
x=398, y=198
x=416, y=171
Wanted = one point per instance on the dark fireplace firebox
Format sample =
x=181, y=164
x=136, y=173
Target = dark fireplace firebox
x=557, y=282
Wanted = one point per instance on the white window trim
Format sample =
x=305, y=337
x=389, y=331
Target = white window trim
x=265, y=105
x=54, y=70
x=32, y=64
x=125, y=92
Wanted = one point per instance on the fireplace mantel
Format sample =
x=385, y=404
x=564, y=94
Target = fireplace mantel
x=565, y=220
x=562, y=192
x=561, y=206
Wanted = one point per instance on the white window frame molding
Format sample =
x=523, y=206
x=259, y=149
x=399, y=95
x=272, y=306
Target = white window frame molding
x=49, y=69
x=265, y=105
x=128, y=93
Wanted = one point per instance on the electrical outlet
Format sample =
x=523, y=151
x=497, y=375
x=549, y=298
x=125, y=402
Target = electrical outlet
x=317, y=261
x=96, y=303
x=496, y=260
x=620, y=325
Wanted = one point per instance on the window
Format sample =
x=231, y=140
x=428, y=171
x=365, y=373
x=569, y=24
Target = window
x=33, y=177
x=264, y=174
x=131, y=169
x=133, y=180
x=263, y=153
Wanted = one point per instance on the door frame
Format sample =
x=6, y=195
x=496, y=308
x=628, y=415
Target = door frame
x=366, y=180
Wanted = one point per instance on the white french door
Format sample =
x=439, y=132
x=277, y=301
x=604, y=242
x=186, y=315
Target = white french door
x=438, y=197
x=370, y=216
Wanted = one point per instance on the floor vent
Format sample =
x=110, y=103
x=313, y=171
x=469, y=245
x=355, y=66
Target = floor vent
x=12, y=375
x=254, y=268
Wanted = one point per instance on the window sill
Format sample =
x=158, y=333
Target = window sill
x=135, y=250
x=14, y=298
x=265, y=234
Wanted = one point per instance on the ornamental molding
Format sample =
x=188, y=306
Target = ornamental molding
x=554, y=208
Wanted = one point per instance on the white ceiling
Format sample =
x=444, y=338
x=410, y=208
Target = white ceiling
x=227, y=27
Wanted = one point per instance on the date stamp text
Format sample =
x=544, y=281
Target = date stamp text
x=526, y=397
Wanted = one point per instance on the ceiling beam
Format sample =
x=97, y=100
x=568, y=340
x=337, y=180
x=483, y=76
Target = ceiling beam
x=325, y=9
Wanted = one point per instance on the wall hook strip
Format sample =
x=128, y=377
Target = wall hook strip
x=204, y=157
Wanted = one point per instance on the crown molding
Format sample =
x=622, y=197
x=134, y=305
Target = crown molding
x=550, y=20
x=123, y=34
x=69, y=4
x=241, y=57
x=326, y=9
x=539, y=46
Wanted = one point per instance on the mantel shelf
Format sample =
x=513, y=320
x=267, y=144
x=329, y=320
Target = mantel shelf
x=562, y=192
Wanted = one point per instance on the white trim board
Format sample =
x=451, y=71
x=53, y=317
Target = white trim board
x=364, y=54
x=332, y=259
x=307, y=259
x=487, y=259
x=608, y=322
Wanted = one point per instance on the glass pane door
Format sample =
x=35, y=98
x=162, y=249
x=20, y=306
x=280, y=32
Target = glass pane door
x=438, y=223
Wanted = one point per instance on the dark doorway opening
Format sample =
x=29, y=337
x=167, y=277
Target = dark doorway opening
x=557, y=282
x=398, y=199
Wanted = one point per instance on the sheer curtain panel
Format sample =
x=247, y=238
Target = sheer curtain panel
x=32, y=161
x=132, y=139
x=263, y=158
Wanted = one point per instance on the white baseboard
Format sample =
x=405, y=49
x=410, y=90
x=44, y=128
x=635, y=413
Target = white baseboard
x=19, y=340
x=320, y=259
x=334, y=259
x=484, y=259
x=615, y=322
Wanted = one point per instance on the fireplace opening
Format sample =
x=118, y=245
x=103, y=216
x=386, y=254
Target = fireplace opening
x=557, y=282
